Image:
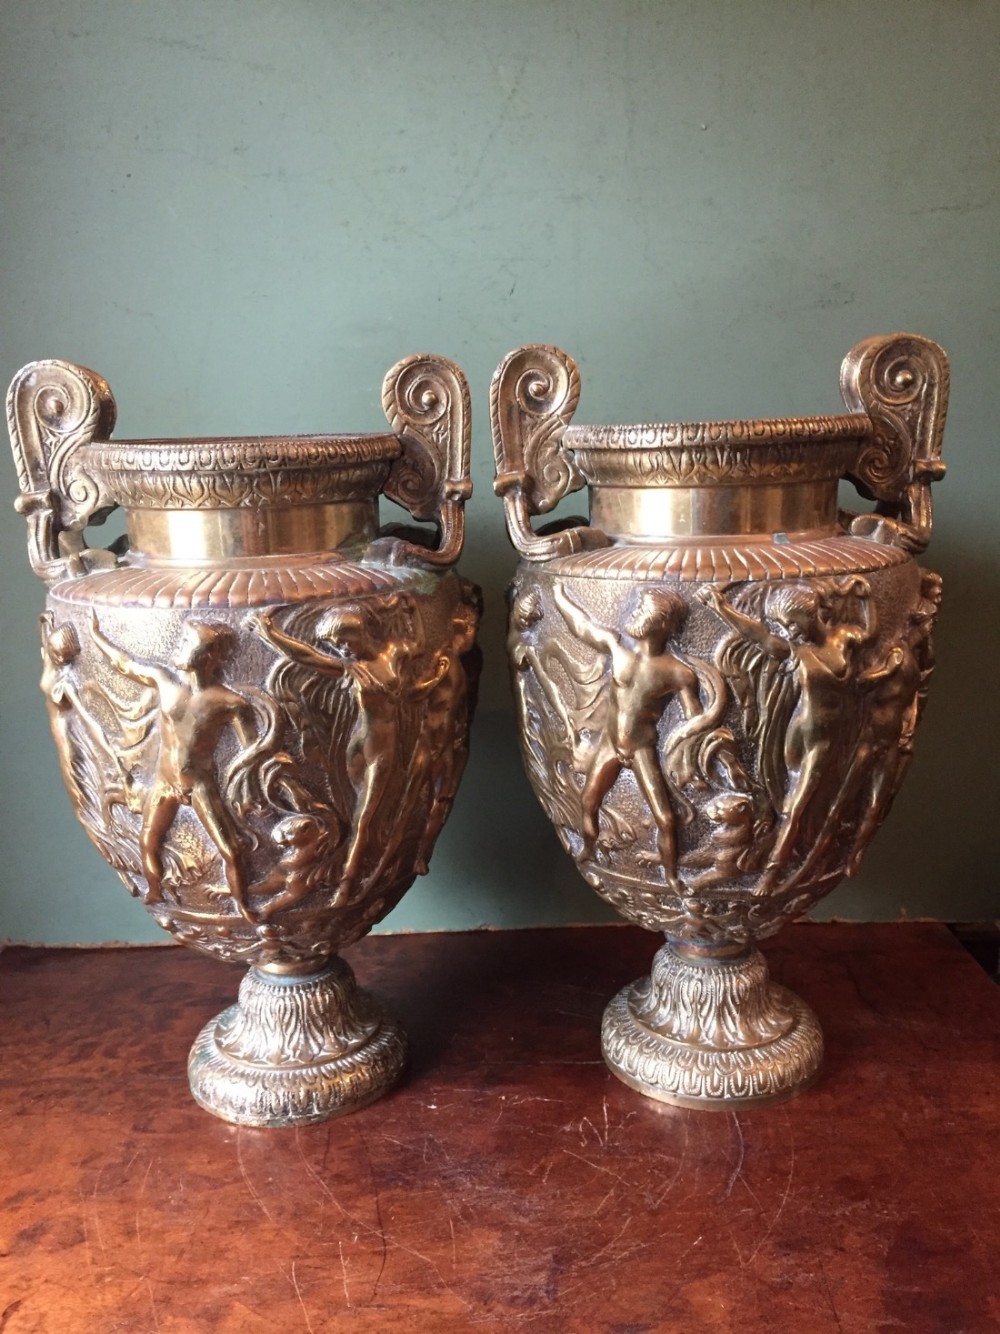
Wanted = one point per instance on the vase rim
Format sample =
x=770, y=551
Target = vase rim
x=383, y=444
x=790, y=451
x=225, y=472
x=755, y=431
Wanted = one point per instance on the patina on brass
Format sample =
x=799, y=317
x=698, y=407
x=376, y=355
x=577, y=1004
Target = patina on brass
x=260, y=707
x=718, y=679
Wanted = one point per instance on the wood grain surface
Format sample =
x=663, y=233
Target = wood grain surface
x=510, y=1182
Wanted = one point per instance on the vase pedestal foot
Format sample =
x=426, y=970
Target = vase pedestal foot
x=711, y=1031
x=296, y=1049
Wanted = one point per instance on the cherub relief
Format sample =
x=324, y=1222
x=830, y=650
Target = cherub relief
x=193, y=711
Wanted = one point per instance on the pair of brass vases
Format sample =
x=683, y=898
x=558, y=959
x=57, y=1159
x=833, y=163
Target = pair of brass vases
x=261, y=701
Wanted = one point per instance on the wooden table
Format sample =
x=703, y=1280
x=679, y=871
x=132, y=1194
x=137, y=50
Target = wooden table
x=511, y=1183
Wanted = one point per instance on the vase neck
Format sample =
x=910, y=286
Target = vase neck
x=215, y=536
x=651, y=512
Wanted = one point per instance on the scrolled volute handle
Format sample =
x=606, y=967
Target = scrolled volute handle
x=426, y=401
x=900, y=381
x=54, y=411
x=533, y=396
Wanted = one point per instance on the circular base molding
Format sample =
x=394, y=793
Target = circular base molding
x=711, y=1034
x=296, y=1050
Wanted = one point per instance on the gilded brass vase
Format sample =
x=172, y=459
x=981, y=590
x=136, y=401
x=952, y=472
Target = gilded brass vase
x=260, y=704
x=718, y=679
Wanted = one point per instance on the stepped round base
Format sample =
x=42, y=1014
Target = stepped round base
x=296, y=1050
x=711, y=1033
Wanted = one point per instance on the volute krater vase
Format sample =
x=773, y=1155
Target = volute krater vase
x=260, y=704
x=718, y=678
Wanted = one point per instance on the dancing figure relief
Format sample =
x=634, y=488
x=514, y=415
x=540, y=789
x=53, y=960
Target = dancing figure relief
x=433, y=763
x=919, y=639
x=800, y=673
x=193, y=711
x=375, y=674
x=66, y=707
x=884, y=692
x=895, y=690
x=442, y=751
x=889, y=690
x=644, y=676
x=550, y=732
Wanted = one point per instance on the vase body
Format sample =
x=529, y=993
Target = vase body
x=261, y=706
x=718, y=677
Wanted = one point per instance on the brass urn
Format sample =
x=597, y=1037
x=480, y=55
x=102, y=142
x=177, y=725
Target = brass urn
x=259, y=703
x=718, y=679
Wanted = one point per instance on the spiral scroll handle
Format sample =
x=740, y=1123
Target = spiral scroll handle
x=900, y=381
x=426, y=401
x=55, y=410
x=533, y=396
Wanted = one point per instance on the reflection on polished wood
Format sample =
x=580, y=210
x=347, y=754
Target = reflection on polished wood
x=511, y=1182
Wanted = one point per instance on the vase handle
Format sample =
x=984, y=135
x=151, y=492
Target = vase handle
x=533, y=396
x=54, y=411
x=426, y=401
x=900, y=381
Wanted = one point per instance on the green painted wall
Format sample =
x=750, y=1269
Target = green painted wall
x=242, y=212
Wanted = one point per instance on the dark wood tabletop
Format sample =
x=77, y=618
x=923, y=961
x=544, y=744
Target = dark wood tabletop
x=510, y=1182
